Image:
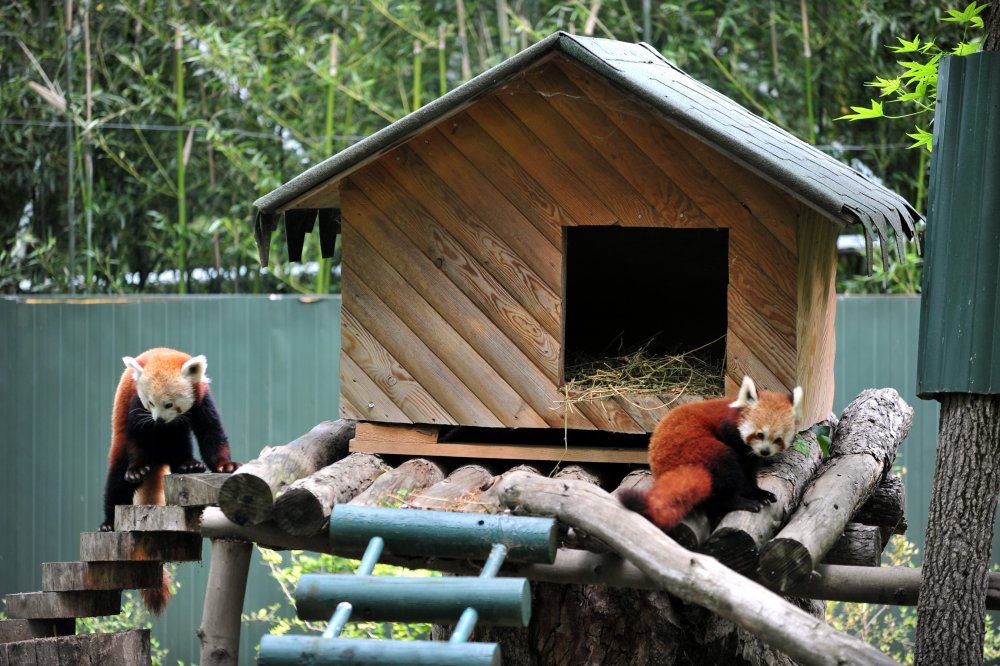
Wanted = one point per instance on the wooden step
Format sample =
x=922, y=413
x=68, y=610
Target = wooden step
x=140, y=546
x=74, y=576
x=50, y=605
x=153, y=518
x=193, y=489
x=25, y=630
x=421, y=441
x=126, y=648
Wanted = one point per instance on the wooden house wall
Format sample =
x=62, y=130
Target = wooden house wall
x=453, y=254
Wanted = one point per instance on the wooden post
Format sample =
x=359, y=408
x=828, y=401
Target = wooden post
x=247, y=496
x=219, y=633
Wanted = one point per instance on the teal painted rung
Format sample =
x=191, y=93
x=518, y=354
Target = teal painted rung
x=465, y=625
x=317, y=651
x=411, y=532
x=498, y=601
x=365, y=568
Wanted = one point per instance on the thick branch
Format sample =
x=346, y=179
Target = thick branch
x=864, y=447
x=396, y=485
x=247, y=496
x=692, y=577
x=304, y=508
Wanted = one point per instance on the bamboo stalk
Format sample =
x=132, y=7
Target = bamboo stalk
x=181, y=166
x=807, y=54
x=70, y=176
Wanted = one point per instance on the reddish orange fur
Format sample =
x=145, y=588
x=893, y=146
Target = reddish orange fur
x=697, y=454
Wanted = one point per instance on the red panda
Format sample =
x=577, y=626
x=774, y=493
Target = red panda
x=162, y=399
x=706, y=454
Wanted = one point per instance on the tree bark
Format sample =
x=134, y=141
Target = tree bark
x=960, y=531
x=219, y=633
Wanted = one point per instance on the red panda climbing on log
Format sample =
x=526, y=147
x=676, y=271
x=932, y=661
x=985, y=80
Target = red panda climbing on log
x=162, y=399
x=706, y=454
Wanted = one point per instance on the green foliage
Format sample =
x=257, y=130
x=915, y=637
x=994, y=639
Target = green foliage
x=915, y=87
x=902, y=278
x=891, y=628
x=272, y=87
x=280, y=617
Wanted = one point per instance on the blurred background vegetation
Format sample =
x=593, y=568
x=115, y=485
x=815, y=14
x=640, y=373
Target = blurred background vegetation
x=136, y=134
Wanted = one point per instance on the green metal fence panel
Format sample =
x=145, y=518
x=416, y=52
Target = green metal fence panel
x=274, y=364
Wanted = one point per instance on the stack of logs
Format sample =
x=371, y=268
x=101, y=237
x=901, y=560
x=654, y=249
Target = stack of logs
x=837, y=509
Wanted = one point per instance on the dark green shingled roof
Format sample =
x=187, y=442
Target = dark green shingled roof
x=806, y=173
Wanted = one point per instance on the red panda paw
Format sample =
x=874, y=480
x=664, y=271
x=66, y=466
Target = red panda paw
x=227, y=466
x=136, y=474
x=106, y=527
x=189, y=467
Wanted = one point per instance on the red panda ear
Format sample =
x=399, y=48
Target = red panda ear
x=747, y=396
x=797, y=404
x=194, y=368
x=134, y=366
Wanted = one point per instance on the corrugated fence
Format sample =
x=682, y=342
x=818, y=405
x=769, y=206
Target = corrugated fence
x=274, y=365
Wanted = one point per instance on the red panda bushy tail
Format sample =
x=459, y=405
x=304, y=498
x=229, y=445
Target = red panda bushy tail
x=155, y=598
x=674, y=493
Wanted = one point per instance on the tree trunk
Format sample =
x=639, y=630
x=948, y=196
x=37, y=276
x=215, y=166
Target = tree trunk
x=960, y=531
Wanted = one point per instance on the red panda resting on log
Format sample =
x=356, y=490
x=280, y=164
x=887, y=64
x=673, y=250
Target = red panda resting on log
x=162, y=398
x=706, y=454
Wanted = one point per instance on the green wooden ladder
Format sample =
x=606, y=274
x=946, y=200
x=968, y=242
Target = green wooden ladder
x=467, y=599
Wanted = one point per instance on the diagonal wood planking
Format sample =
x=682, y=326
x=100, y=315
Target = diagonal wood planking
x=456, y=235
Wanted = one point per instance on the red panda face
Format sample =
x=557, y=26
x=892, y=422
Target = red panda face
x=166, y=383
x=768, y=420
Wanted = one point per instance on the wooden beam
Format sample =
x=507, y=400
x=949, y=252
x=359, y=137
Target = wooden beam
x=74, y=576
x=126, y=648
x=193, y=489
x=12, y=631
x=219, y=633
x=154, y=518
x=50, y=605
x=582, y=454
x=140, y=546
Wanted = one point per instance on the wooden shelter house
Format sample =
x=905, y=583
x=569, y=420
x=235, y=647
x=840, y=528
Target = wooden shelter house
x=583, y=197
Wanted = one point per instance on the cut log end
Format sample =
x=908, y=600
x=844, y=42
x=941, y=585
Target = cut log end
x=246, y=499
x=785, y=561
x=735, y=548
x=299, y=512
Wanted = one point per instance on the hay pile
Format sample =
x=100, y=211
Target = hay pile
x=643, y=372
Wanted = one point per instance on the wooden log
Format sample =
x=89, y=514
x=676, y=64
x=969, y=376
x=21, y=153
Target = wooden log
x=862, y=452
x=304, y=507
x=12, y=631
x=693, y=577
x=460, y=489
x=738, y=538
x=886, y=507
x=247, y=496
x=219, y=633
x=859, y=545
x=126, y=648
x=49, y=605
x=154, y=518
x=75, y=576
x=140, y=546
x=488, y=501
x=397, y=485
x=193, y=489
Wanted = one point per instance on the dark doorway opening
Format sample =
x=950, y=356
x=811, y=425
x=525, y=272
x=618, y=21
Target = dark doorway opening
x=629, y=288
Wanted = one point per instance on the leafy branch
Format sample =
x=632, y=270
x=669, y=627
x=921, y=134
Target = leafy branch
x=916, y=85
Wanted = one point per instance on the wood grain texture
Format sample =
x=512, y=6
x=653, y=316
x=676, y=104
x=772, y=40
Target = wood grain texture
x=452, y=282
x=367, y=359
x=463, y=405
x=51, y=605
x=463, y=355
x=75, y=576
x=591, y=454
x=126, y=648
x=815, y=329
